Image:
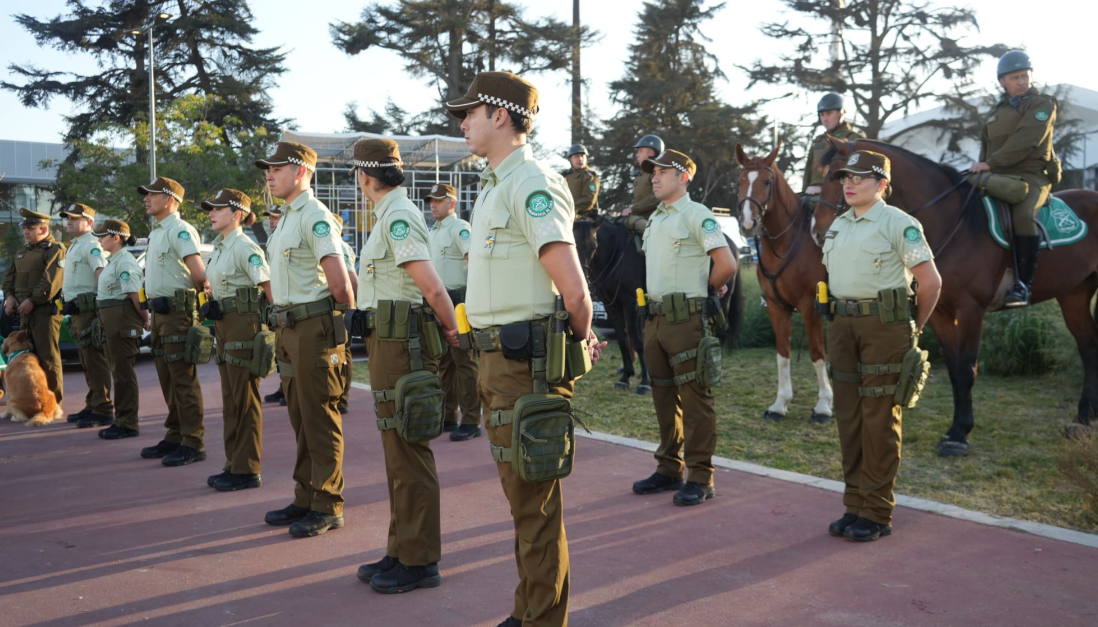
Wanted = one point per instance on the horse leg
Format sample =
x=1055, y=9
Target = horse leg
x=1075, y=307
x=960, y=336
x=621, y=335
x=780, y=320
x=813, y=325
x=637, y=336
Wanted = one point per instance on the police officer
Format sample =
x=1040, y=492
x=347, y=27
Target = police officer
x=829, y=113
x=458, y=368
x=311, y=291
x=240, y=287
x=872, y=252
x=84, y=260
x=582, y=183
x=681, y=239
x=273, y=215
x=349, y=261
x=123, y=317
x=173, y=271
x=398, y=276
x=1017, y=140
x=644, y=201
x=522, y=254
x=31, y=284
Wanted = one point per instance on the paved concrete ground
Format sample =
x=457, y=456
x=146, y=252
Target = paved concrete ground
x=91, y=534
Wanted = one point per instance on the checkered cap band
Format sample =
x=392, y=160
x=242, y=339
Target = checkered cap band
x=296, y=161
x=376, y=164
x=169, y=192
x=230, y=203
x=510, y=106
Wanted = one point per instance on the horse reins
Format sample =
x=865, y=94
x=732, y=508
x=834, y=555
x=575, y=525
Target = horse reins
x=791, y=252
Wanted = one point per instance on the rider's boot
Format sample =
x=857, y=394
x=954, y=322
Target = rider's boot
x=1025, y=256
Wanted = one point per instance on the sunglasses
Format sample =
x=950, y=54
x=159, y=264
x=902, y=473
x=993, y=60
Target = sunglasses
x=854, y=179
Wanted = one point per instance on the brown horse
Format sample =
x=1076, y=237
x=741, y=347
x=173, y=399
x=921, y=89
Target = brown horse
x=976, y=271
x=789, y=268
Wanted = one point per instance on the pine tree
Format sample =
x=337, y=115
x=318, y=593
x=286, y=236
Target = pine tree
x=450, y=41
x=669, y=89
x=204, y=50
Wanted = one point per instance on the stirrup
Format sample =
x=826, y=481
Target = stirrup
x=1017, y=296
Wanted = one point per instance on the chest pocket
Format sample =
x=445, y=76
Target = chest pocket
x=678, y=238
x=374, y=251
x=498, y=241
x=828, y=246
x=876, y=254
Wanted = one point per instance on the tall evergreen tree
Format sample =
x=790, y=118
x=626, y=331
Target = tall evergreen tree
x=204, y=50
x=892, y=54
x=669, y=89
x=449, y=41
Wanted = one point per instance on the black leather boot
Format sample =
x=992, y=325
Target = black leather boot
x=1025, y=256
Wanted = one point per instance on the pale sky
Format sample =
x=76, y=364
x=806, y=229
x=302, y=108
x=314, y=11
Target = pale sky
x=322, y=79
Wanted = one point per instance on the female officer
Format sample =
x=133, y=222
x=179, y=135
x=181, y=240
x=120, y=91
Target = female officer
x=397, y=275
x=122, y=317
x=871, y=253
x=238, y=275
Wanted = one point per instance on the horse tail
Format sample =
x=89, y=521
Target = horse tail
x=730, y=338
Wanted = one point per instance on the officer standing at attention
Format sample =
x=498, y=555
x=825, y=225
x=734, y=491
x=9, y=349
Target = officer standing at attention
x=1017, y=140
x=398, y=278
x=311, y=291
x=273, y=215
x=582, y=183
x=31, y=284
x=872, y=252
x=84, y=260
x=644, y=201
x=681, y=239
x=523, y=254
x=240, y=288
x=829, y=113
x=173, y=271
x=123, y=317
x=458, y=368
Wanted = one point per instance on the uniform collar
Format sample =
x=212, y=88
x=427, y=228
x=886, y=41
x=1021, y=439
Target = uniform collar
x=675, y=206
x=445, y=222
x=83, y=238
x=1017, y=100
x=520, y=155
x=223, y=241
x=45, y=243
x=872, y=215
x=172, y=218
x=387, y=201
x=298, y=203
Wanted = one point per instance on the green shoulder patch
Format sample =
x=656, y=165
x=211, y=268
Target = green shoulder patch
x=399, y=230
x=255, y=260
x=912, y=235
x=184, y=236
x=464, y=234
x=61, y=262
x=322, y=229
x=539, y=204
x=709, y=225
x=593, y=186
x=125, y=276
x=96, y=252
x=1042, y=115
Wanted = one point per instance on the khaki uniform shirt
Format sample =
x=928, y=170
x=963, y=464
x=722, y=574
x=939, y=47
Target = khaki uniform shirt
x=1019, y=140
x=644, y=201
x=237, y=262
x=522, y=206
x=874, y=252
x=676, y=248
x=82, y=259
x=813, y=171
x=399, y=236
x=449, y=245
x=36, y=272
x=584, y=187
x=307, y=233
x=120, y=278
x=171, y=241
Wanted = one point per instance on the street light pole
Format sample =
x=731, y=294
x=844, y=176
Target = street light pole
x=162, y=17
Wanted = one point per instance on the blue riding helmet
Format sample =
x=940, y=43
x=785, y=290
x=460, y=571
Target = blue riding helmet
x=650, y=141
x=1012, y=62
x=831, y=102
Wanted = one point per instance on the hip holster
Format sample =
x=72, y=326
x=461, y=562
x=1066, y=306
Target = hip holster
x=198, y=346
x=262, y=362
x=420, y=401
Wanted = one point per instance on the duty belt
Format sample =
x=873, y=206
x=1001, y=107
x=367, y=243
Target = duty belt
x=297, y=313
x=854, y=308
x=693, y=305
x=227, y=305
x=487, y=339
x=112, y=302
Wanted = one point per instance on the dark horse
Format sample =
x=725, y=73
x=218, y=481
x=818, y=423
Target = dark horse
x=790, y=265
x=615, y=269
x=975, y=269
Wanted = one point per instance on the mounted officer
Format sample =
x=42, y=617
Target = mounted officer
x=829, y=112
x=582, y=183
x=1017, y=140
x=644, y=201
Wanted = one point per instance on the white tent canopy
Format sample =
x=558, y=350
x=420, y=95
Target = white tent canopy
x=418, y=153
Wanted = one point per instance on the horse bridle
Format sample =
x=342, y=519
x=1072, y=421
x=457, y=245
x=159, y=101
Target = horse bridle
x=791, y=252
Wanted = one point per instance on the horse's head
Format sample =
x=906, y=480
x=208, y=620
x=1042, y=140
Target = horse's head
x=585, y=231
x=757, y=182
x=831, y=203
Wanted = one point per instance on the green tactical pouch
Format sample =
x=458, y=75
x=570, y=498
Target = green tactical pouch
x=98, y=336
x=556, y=350
x=578, y=358
x=199, y=346
x=85, y=302
x=402, y=315
x=893, y=305
x=420, y=404
x=431, y=334
x=263, y=364
x=710, y=358
x=676, y=308
x=384, y=319
x=248, y=300
x=543, y=438
x=914, y=370
x=185, y=301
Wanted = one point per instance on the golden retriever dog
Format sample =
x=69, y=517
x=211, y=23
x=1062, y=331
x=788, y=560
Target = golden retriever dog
x=29, y=397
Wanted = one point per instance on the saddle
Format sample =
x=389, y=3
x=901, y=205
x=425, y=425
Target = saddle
x=1056, y=222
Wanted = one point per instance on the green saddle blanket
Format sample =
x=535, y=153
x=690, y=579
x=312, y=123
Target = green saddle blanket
x=1063, y=226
